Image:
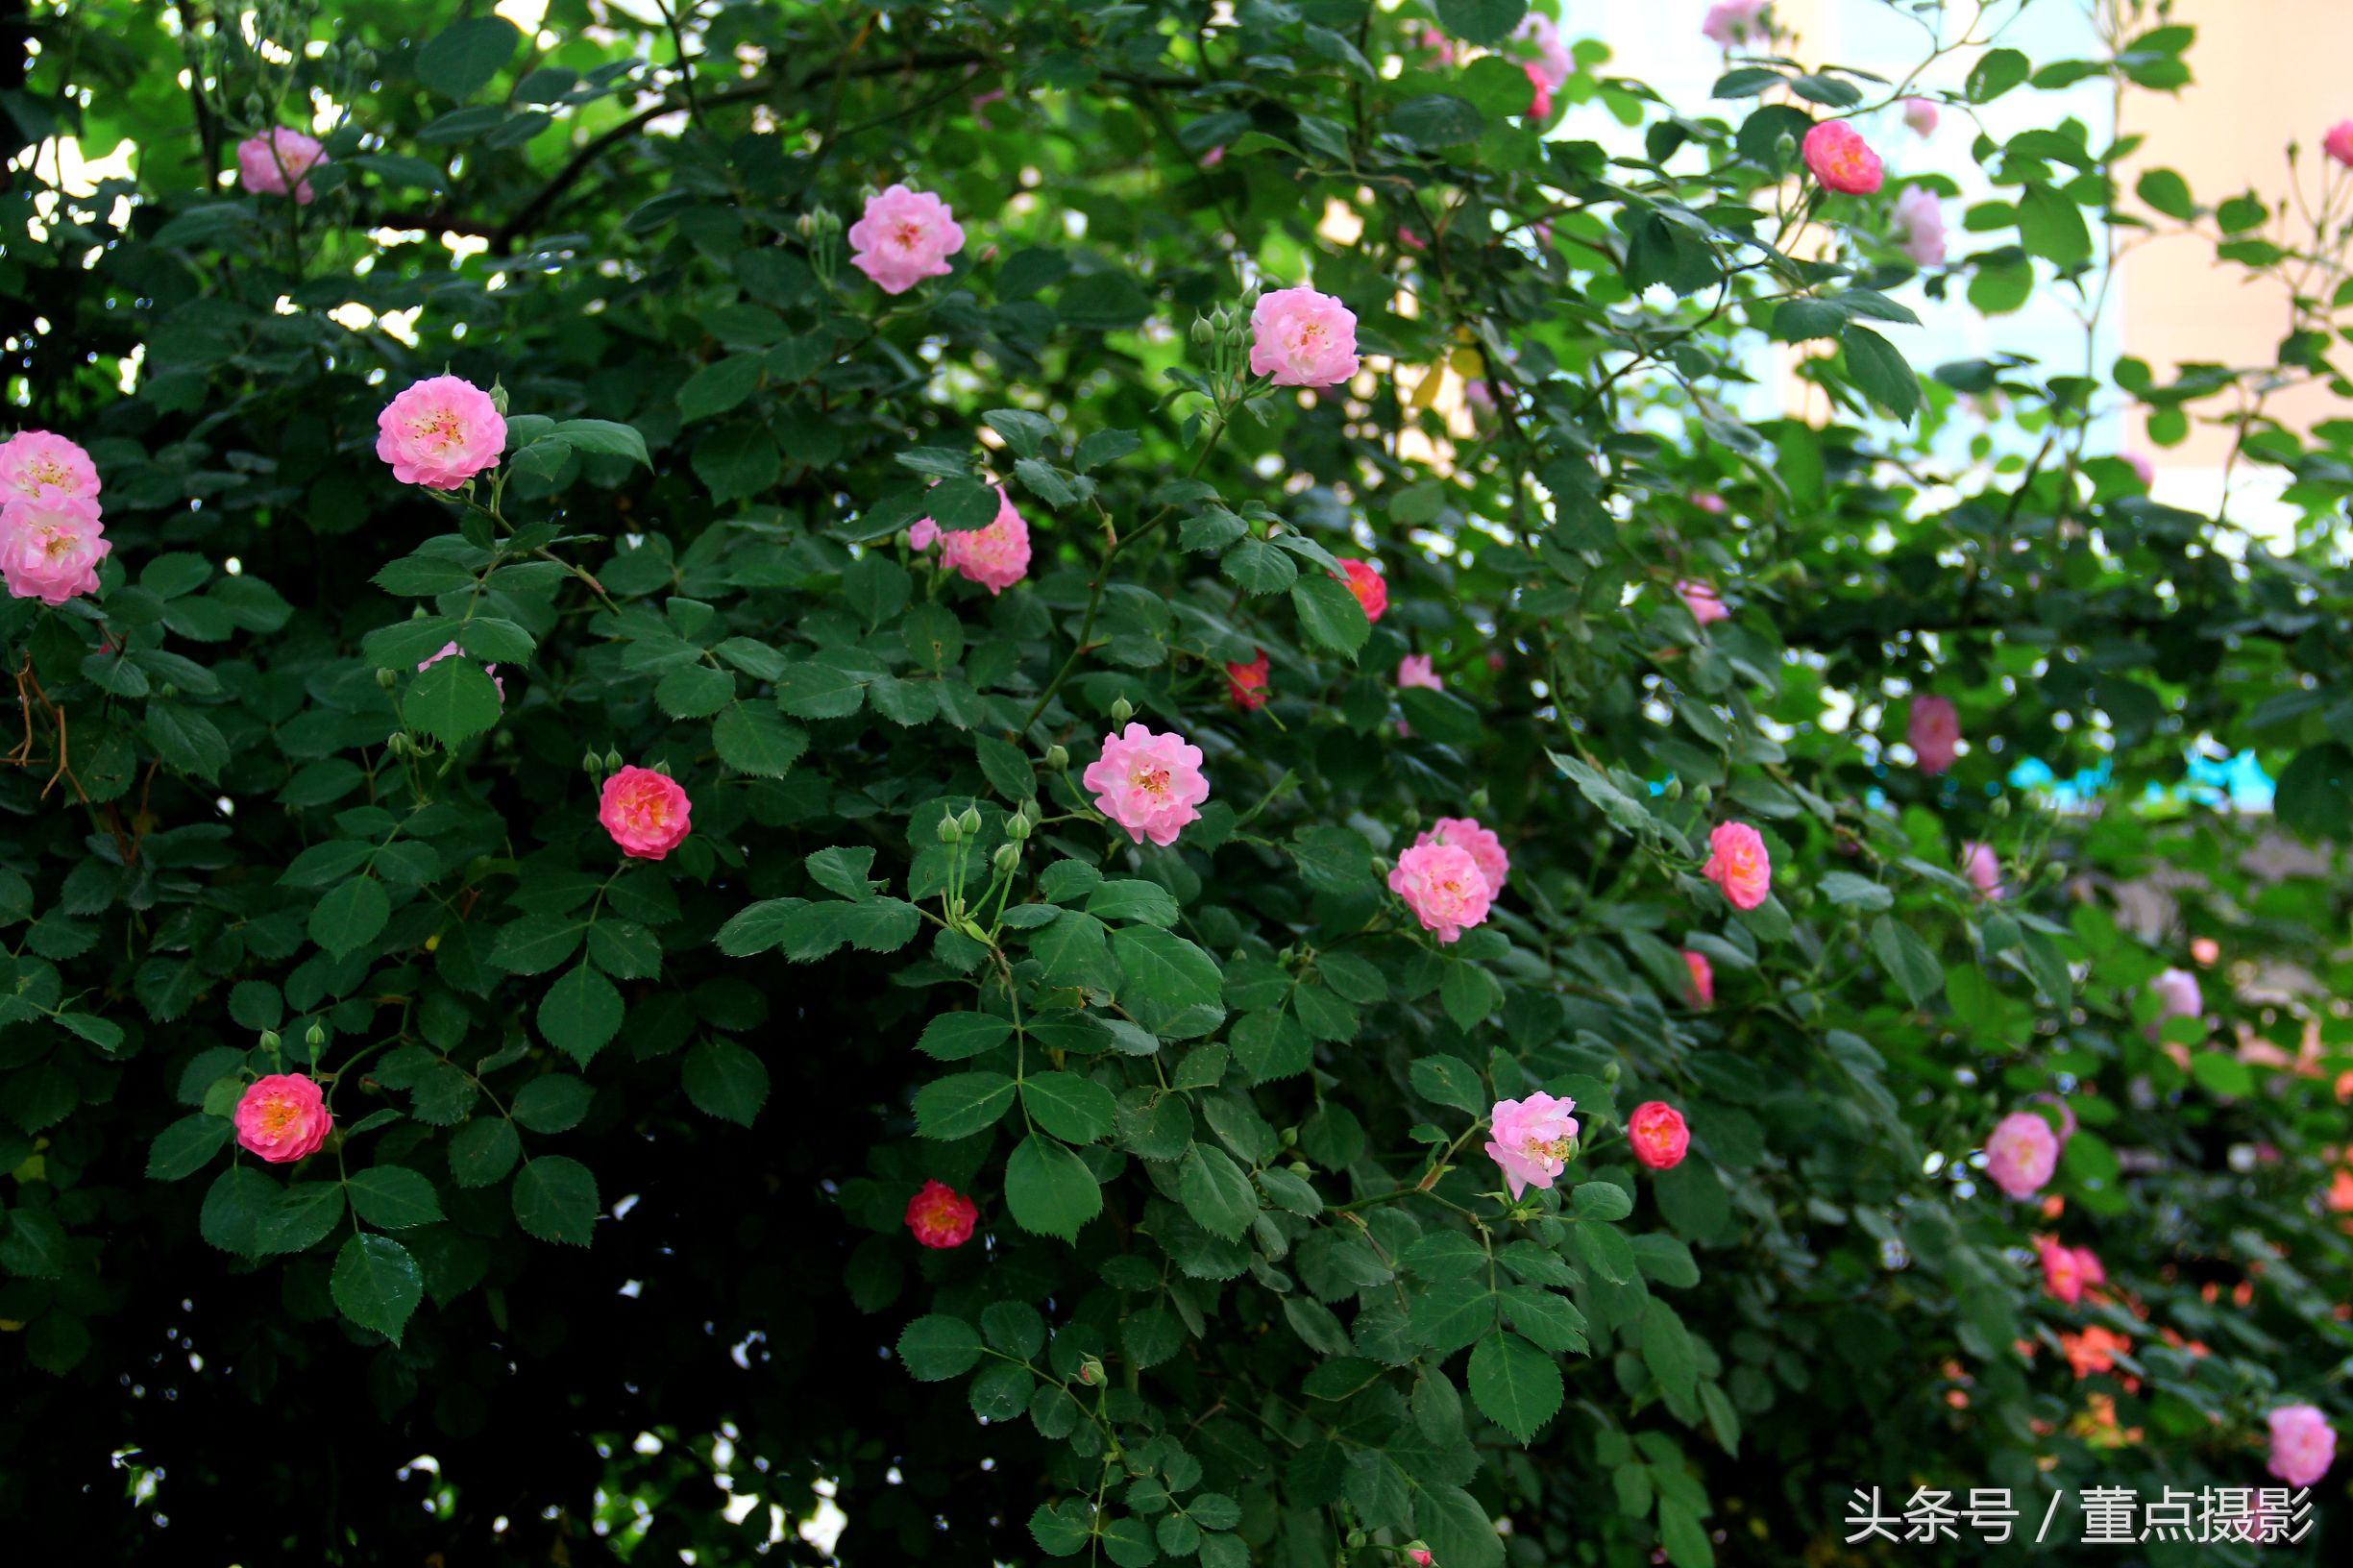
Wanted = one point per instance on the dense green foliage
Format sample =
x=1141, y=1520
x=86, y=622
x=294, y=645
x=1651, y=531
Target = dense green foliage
x=625, y=1148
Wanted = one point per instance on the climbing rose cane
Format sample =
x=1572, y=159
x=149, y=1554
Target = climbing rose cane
x=1659, y=1135
x=646, y=813
x=903, y=237
x=940, y=1217
x=1532, y=1139
x=1302, y=338
x=440, y=432
x=283, y=1119
x=1148, y=783
x=1739, y=863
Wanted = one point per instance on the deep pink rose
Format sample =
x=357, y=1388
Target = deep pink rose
x=1922, y=218
x=440, y=432
x=1532, y=1139
x=273, y=163
x=1701, y=601
x=2062, y=1269
x=1934, y=733
x=1842, y=159
x=1738, y=862
x=2022, y=1154
x=646, y=813
x=904, y=237
x=940, y=1217
x=1921, y=115
x=1659, y=1135
x=1150, y=784
x=1485, y=850
x=1419, y=1556
x=1703, y=977
x=1246, y=683
x=1444, y=887
x=283, y=1119
x=2303, y=1444
x=1540, y=105
x=2338, y=143
x=1365, y=582
x=50, y=547
x=31, y=461
x=997, y=556
x=1302, y=338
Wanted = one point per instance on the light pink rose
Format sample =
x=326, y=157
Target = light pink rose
x=1365, y=582
x=1934, y=733
x=997, y=556
x=1659, y=1135
x=2022, y=1154
x=1738, y=862
x=1922, y=218
x=940, y=1217
x=283, y=1119
x=270, y=165
x=1414, y=670
x=1708, y=500
x=1488, y=850
x=1701, y=599
x=1842, y=159
x=2141, y=465
x=1302, y=338
x=1703, y=977
x=1731, y=21
x=2338, y=143
x=1551, y=52
x=31, y=461
x=440, y=432
x=1982, y=866
x=904, y=237
x=1921, y=115
x=1444, y=887
x=1541, y=102
x=646, y=813
x=50, y=546
x=490, y=670
x=1150, y=784
x=1532, y=1139
x=2179, y=996
x=2303, y=1444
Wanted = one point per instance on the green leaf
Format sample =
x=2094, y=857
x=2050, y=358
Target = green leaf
x=726, y=1081
x=186, y=739
x=1667, y=1349
x=1487, y=23
x=1171, y=986
x=1516, y=1385
x=377, y=1285
x=1684, y=1535
x=186, y=1146
x=555, y=1200
x=962, y=1104
x=299, y=1217
x=753, y=738
x=1331, y=615
x=1908, y=960
x=235, y=1207
x=483, y=1151
x=2167, y=193
x=33, y=1244
x=736, y=462
x=2051, y=226
x=1075, y=1110
x=580, y=1013
x=953, y=1037
x=1449, y=1079
x=1849, y=890
x=1996, y=73
x=720, y=386
x=393, y=1198
x=1602, y=1200
x=458, y=61
x=452, y=701
x=1880, y=372
x=1258, y=567
x=847, y=872
x=1100, y=447
x=350, y=917
x=939, y=1347
x=1049, y=1191
x=1438, y=119
x=604, y=438
x=1216, y=1191
x=554, y=1103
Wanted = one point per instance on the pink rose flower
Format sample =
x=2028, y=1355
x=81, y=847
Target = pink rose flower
x=490, y=670
x=283, y=1119
x=1246, y=683
x=1532, y=1139
x=1731, y=21
x=1419, y=1556
x=1982, y=866
x=997, y=556
x=2141, y=465
x=1921, y=115
x=272, y=164
x=2179, y=996
x=646, y=813
x=1657, y=1134
x=1738, y=862
x=1922, y=218
x=1213, y=157
x=31, y=461
x=2205, y=950
x=2303, y=1444
x=1484, y=848
x=1552, y=53
x=440, y=432
x=1842, y=159
x=1934, y=733
x=1703, y=977
x=2088, y=1268
x=2022, y=1154
x=1365, y=582
x=1302, y=338
x=1149, y=784
x=940, y=1217
x=50, y=547
x=2338, y=143
x=1414, y=670
x=2061, y=1270
x=1701, y=601
x=1708, y=500
x=1539, y=106
x=903, y=237
x=1443, y=885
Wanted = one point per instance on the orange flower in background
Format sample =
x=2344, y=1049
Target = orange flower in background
x=2098, y=1426
x=2094, y=1350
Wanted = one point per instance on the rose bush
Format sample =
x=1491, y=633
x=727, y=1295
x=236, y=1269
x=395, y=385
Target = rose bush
x=1069, y=774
